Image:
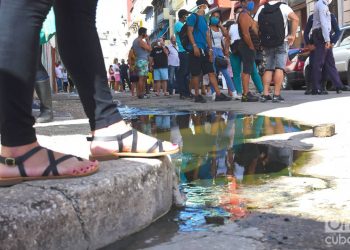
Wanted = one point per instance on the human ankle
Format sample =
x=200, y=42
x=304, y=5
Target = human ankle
x=17, y=151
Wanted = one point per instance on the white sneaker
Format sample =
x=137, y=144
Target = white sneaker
x=237, y=96
x=213, y=96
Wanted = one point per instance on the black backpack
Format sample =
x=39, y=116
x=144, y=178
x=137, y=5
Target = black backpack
x=271, y=26
x=185, y=41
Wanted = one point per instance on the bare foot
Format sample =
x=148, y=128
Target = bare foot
x=144, y=142
x=36, y=165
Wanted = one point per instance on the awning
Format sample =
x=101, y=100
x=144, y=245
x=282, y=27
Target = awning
x=49, y=28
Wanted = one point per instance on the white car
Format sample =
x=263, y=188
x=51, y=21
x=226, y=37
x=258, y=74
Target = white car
x=341, y=53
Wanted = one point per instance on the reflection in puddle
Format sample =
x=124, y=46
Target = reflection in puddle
x=214, y=163
x=215, y=158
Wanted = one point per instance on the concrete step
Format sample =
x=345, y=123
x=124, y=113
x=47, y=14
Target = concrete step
x=124, y=197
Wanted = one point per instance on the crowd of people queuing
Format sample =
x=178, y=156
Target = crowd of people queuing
x=215, y=50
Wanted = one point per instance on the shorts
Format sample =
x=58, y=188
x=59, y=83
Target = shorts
x=117, y=77
x=276, y=58
x=160, y=74
x=200, y=65
x=248, y=57
x=142, y=67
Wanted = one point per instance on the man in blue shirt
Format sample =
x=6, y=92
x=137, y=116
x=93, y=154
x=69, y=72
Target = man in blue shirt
x=182, y=75
x=334, y=37
x=323, y=54
x=201, y=52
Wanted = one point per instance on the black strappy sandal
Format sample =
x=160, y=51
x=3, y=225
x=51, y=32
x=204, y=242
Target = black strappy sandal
x=51, y=172
x=119, y=138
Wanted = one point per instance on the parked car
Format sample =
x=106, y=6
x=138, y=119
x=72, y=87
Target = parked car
x=294, y=76
x=341, y=53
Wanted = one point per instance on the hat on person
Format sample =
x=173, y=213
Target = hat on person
x=201, y=2
x=183, y=13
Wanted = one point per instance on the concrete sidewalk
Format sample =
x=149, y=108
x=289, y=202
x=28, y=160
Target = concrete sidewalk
x=127, y=195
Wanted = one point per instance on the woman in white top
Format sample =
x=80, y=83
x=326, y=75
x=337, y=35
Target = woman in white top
x=220, y=48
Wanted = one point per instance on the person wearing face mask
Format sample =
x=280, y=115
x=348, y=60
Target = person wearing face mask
x=323, y=53
x=174, y=63
x=246, y=48
x=201, y=52
x=220, y=42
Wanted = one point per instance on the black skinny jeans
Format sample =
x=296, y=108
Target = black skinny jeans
x=80, y=50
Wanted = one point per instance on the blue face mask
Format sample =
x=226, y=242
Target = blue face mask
x=250, y=6
x=214, y=20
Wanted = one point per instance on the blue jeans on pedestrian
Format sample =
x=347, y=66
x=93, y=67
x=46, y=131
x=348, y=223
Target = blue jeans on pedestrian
x=236, y=64
x=59, y=84
x=182, y=74
x=218, y=52
x=172, y=84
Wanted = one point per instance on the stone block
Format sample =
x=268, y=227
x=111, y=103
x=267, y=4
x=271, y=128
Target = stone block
x=324, y=130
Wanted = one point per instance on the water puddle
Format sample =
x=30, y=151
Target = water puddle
x=216, y=161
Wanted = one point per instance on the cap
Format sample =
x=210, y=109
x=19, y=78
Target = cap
x=183, y=13
x=201, y=2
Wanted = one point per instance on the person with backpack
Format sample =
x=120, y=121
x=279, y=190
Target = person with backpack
x=246, y=48
x=272, y=18
x=201, y=52
x=182, y=76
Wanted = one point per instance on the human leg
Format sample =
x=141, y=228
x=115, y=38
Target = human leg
x=236, y=68
x=257, y=79
x=16, y=122
x=111, y=136
x=43, y=90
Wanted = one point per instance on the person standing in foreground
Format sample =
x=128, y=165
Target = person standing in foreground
x=201, y=55
x=142, y=48
x=21, y=157
x=323, y=55
x=183, y=72
x=272, y=18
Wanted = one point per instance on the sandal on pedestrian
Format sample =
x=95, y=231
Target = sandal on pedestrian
x=51, y=172
x=151, y=152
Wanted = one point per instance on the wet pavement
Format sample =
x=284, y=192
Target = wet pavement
x=287, y=212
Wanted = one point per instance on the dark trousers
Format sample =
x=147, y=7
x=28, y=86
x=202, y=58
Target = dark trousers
x=75, y=22
x=323, y=58
x=125, y=79
x=182, y=75
x=324, y=77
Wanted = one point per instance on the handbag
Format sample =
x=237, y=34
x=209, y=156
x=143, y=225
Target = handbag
x=220, y=61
